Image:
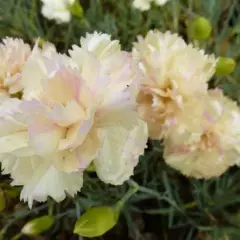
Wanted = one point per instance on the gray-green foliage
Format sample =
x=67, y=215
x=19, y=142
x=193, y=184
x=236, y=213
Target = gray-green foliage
x=168, y=202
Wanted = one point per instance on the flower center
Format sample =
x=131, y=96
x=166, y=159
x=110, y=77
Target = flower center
x=208, y=141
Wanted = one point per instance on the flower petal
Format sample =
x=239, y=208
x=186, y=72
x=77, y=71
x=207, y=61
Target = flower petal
x=45, y=138
x=120, y=151
x=80, y=158
x=65, y=116
x=65, y=161
x=200, y=164
x=64, y=85
x=32, y=84
x=46, y=180
x=100, y=44
x=77, y=133
x=88, y=151
x=7, y=163
x=13, y=142
x=124, y=117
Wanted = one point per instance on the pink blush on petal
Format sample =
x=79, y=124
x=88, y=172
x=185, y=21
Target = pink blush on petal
x=208, y=117
x=38, y=129
x=181, y=150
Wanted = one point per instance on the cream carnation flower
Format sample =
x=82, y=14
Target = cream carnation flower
x=76, y=111
x=174, y=71
x=57, y=9
x=37, y=174
x=14, y=53
x=204, y=142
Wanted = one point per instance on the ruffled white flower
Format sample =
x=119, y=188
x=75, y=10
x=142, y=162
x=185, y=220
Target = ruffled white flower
x=14, y=53
x=205, y=140
x=144, y=5
x=75, y=112
x=57, y=9
x=37, y=174
x=174, y=71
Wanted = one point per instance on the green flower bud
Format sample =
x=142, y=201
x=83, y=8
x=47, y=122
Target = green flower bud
x=96, y=221
x=225, y=66
x=37, y=225
x=2, y=201
x=200, y=28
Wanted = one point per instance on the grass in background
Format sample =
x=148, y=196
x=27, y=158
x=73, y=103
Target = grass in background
x=167, y=206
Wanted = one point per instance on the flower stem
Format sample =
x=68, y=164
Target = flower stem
x=78, y=209
x=155, y=194
x=50, y=207
x=175, y=15
x=132, y=190
x=19, y=216
x=17, y=236
x=190, y=205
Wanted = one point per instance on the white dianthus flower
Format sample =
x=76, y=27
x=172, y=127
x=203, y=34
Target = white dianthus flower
x=76, y=111
x=144, y=5
x=173, y=71
x=205, y=139
x=39, y=177
x=57, y=9
x=160, y=2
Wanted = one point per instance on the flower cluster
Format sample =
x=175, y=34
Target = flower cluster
x=200, y=127
x=74, y=111
x=98, y=105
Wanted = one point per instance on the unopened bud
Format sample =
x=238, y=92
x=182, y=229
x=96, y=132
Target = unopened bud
x=96, y=221
x=200, y=28
x=225, y=66
x=37, y=225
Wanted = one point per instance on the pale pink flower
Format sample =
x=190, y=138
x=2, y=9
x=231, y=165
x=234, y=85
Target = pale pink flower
x=173, y=72
x=77, y=111
x=14, y=53
x=39, y=177
x=204, y=142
